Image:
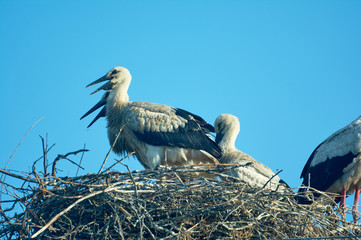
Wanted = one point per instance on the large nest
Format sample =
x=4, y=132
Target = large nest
x=168, y=203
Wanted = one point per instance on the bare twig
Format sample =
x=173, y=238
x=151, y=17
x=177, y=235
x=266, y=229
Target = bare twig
x=269, y=180
x=111, y=149
x=17, y=176
x=81, y=159
x=118, y=161
x=16, y=149
x=45, y=154
x=21, y=142
x=61, y=156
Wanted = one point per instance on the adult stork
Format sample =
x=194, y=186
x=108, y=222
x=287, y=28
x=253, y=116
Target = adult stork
x=255, y=174
x=158, y=134
x=335, y=166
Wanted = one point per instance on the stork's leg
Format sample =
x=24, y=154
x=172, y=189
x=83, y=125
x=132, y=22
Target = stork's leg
x=343, y=203
x=355, y=213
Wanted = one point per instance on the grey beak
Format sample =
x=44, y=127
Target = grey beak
x=100, y=114
x=106, y=86
x=101, y=103
x=102, y=79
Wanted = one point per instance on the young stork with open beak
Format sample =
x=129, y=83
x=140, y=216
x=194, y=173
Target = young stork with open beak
x=335, y=166
x=255, y=174
x=158, y=134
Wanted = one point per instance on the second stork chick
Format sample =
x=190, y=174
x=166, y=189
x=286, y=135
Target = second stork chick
x=255, y=174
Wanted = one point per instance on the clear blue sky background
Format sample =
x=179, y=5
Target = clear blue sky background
x=289, y=70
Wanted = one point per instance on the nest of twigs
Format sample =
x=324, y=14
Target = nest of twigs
x=168, y=203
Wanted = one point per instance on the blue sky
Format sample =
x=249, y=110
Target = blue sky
x=289, y=70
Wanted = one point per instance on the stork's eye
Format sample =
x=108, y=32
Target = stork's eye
x=114, y=72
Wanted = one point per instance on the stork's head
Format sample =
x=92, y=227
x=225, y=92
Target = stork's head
x=227, y=128
x=118, y=76
x=118, y=79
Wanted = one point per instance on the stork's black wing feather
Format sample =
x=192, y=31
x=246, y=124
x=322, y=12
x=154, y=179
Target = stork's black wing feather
x=307, y=166
x=324, y=174
x=188, y=115
x=193, y=135
x=188, y=139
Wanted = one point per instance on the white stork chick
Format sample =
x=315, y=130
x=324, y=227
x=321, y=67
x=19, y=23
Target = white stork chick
x=256, y=174
x=335, y=165
x=158, y=134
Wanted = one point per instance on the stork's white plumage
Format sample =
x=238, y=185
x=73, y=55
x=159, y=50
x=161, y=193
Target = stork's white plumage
x=158, y=134
x=256, y=174
x=335, y=165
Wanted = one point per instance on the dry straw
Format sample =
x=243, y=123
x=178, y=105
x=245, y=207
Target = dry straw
x=168, y=203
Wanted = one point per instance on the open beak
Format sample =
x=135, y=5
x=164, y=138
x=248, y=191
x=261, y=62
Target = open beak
x=101, y=103
x=106, y=86
x=99, y=115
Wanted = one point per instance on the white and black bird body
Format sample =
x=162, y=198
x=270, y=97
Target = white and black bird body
x=335, y=165
x=255, y=174
x=158, y=134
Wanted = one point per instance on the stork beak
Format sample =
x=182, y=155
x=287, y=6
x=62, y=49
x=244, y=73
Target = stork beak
x=102, y=79
x=100, y=114
x=101, y=103
x=106, y=86
x=96, y=106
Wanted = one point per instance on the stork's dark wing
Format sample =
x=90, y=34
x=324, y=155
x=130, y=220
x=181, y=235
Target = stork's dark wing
x=324, y=174
x=190, y=116
x=329, y=160
x=161, y=125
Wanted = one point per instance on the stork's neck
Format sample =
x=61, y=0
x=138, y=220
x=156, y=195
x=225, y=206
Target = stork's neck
x=119, y=95
x=228, y=142
x=116, y=100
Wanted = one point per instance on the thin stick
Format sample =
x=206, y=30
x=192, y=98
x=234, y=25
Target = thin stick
x=269, y=180
x=133, y=181
x=118, y=161
x=111, y=149
x=17, y=176
x=81, y=159
x=21, y=142
x=45, y=154
x=60, y=156
x=2, y=175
